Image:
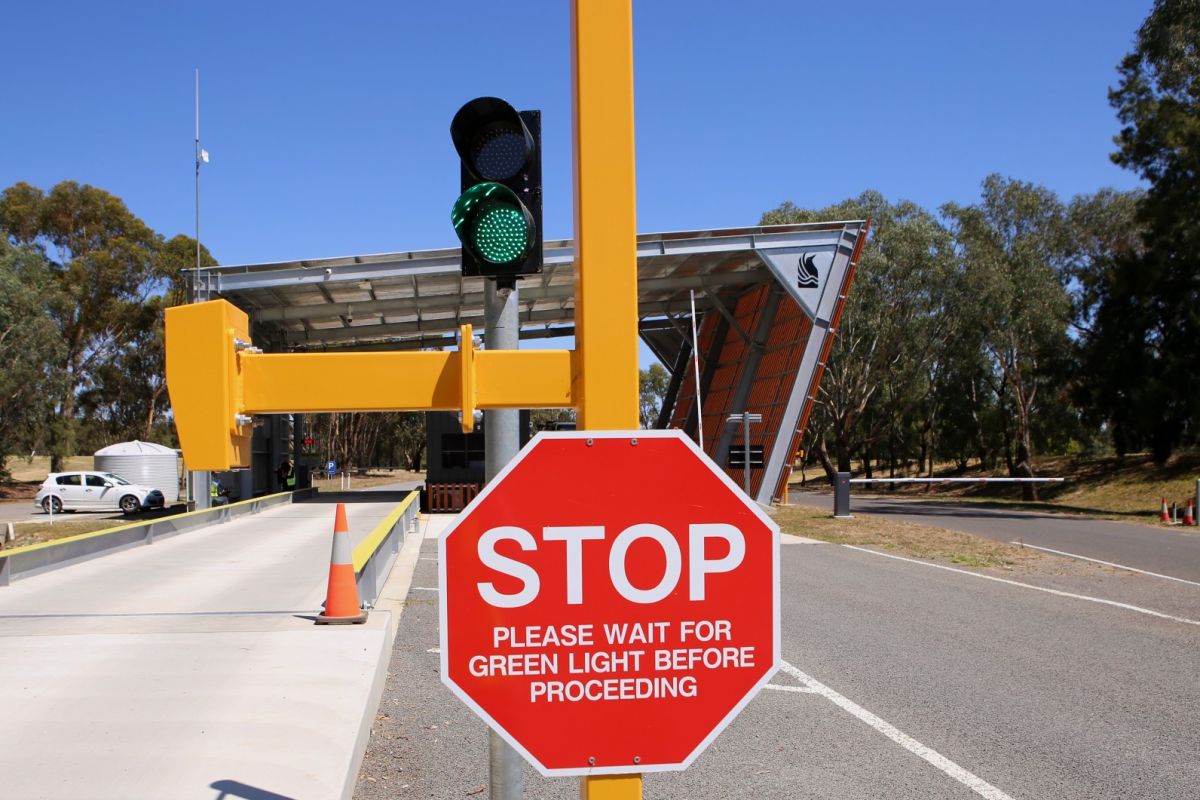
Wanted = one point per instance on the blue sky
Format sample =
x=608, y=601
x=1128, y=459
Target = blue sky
x=328, y=123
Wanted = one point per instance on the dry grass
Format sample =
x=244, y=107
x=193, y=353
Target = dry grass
x=63, y=526
x=37, y=468
x=375, y=477
x=919, y=541
x=28, y=474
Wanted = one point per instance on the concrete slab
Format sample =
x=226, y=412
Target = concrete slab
x=191, y=668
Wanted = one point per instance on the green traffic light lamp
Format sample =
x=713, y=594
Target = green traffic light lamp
x=493, y=224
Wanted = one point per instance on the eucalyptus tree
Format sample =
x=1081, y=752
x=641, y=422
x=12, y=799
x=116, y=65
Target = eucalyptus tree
x=1151, y=305
x=105, y=265
x=29, y=345
x=1110, y=326
x=1013, y=248
x=892, y=328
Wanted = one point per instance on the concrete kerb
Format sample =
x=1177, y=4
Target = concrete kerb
x=390, y=599
x=22, y=562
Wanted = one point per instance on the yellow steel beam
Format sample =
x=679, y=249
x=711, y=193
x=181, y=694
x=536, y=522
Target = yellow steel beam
x=605, y=215
x=404, y=381
x=212, y=383
x=204, y=381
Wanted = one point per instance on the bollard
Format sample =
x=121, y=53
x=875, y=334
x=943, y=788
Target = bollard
x=10, y=533
x=841, y=496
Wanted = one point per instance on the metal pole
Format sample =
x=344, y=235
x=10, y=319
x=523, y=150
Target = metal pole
x=841, y=495
x=501, y=441
x=746, y=447
x=197, y=170
x=696, y=370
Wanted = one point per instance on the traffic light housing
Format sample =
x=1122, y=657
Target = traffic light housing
x=498, y=216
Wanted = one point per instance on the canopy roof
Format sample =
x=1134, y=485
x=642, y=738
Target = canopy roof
x=419, y=299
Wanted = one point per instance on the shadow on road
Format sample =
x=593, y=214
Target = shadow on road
x=227, y=789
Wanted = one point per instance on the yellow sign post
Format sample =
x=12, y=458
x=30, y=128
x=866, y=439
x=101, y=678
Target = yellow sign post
x=605, y=246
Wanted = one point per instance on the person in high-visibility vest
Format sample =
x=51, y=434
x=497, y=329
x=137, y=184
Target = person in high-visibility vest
x=216, y=493
x=287, y=475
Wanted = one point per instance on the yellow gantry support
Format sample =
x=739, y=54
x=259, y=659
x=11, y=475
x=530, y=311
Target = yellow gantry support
x=216, y=385
x=204, y=380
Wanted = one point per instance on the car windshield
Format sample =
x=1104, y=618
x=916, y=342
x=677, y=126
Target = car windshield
x=117, y=479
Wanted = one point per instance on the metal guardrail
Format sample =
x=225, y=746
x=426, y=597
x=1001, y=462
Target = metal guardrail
x=22, y=562
x=374, y=556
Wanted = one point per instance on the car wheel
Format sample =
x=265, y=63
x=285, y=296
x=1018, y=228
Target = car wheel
x=130, y=504
x=52, y=505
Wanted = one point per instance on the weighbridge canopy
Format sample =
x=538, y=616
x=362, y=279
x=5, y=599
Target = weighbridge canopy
x=767, y=299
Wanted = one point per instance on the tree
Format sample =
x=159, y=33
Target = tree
x=106, y=263
x=1013, y=247
x=126, y=393
x=891, y=331
x=1151, y=300
x=1110, y=332
x=30, y=346
x=653, y=383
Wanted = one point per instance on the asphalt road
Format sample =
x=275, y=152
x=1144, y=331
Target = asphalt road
x=1165, y=551
x=907, y=681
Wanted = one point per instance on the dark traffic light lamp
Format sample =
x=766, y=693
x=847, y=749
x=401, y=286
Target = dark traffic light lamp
x=499, y=213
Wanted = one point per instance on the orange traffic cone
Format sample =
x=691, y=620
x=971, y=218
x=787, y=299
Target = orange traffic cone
x=1164, y=515
x=341, y=601
x=1189, y=516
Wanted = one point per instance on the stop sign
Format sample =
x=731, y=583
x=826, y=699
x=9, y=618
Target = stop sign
x=609, y=602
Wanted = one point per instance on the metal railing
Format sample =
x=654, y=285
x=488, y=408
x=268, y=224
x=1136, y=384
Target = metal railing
x=374, y=556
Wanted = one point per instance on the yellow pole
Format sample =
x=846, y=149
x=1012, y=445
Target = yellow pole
x=605, y=215
x=611, y=787
x=606, y=354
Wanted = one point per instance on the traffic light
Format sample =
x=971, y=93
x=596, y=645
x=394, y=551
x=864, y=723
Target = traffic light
x=498, y=216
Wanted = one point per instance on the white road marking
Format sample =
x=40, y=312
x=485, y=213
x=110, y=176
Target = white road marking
x=1105, y=563
x=426, y=558
x=1090, y=599
x=424, y=588
x=929, y=755
x=434, y=650
x=778, y=688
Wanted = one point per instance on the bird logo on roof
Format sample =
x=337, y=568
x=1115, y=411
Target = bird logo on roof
x=806, y=272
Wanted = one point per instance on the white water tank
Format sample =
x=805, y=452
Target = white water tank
x=143, y=463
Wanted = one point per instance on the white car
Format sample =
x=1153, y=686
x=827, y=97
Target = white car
x=95, y=491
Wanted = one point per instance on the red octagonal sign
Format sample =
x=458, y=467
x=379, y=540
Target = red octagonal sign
x=609, y=602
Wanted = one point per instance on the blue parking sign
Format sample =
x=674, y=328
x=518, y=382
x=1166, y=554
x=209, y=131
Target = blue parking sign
x=330, y=468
